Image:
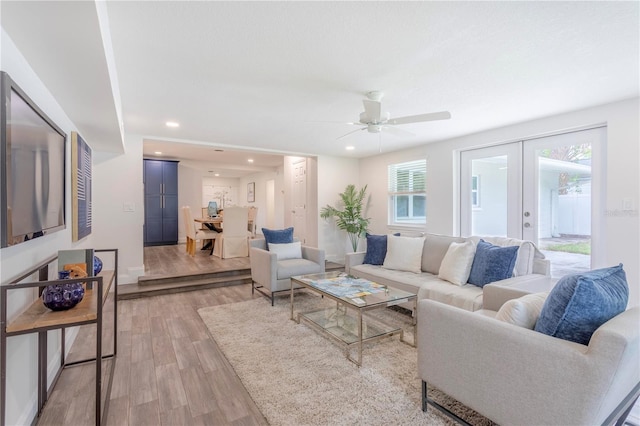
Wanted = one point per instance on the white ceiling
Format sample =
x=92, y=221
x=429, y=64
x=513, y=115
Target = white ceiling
x=272, y=76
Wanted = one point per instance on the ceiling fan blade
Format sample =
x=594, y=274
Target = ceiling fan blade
x=396, y=131
x=347, y=134
x=442, y=115
x=372, y=110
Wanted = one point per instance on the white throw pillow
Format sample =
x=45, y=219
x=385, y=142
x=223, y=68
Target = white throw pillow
x=404, y=253
x=524, y=311
x=287, y=251
x=456, y=264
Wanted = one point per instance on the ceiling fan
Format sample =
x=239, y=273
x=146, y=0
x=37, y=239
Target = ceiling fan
x=374, y=121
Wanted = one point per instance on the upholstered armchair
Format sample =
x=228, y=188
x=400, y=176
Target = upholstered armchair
x=518, y=376
x=270, y=275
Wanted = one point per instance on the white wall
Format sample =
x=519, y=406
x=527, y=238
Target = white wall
x=260, y=180
x=21, y=360
x=189, y=194
x=334, y=174
x=620, y=229
x=117, y=181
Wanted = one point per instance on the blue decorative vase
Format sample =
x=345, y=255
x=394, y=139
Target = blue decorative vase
x=60, y=297
x=97, y=266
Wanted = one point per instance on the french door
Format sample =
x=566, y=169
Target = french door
x=544, y=190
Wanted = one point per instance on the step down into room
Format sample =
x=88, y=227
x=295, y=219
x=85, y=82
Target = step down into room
x=155, y=285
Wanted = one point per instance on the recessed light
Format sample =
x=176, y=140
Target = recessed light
x=250, y=160
x=217, y=174
x=349, y=148
x=158, y=152
x=172, y=124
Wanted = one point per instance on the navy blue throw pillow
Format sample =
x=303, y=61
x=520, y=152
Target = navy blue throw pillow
x=278, y=236
x=376, y=249
x=580, y=303
x=492, y=263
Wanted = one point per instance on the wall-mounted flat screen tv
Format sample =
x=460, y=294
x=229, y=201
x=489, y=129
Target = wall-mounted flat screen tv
x=32, y=167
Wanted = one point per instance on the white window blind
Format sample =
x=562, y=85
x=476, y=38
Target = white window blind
x=407, y=192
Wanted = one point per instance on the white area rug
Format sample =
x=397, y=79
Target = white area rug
x=297, y=376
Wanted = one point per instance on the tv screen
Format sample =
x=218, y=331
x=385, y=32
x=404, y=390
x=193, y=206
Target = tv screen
x=33, y=168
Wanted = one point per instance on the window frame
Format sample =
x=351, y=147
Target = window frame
x=412, y=186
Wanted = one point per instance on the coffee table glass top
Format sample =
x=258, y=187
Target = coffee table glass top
x=355, y=291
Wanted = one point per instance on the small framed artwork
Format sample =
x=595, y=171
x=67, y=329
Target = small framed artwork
x=251, y=192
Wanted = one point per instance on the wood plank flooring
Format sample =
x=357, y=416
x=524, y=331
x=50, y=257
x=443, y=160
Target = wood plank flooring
x=169, y=370
x=174, y=260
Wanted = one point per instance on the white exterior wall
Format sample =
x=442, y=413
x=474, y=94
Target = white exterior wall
x=620, y=233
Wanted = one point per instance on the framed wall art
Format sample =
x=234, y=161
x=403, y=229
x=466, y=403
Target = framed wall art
x=80, y=187
x=251, y=192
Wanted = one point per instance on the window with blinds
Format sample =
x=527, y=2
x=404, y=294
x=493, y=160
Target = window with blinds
x=407, y=193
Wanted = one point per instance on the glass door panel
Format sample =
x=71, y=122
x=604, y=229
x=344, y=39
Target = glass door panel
x=557, y=201
x=489, y=191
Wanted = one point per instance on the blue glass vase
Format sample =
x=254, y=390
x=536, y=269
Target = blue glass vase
x=60, y=297
x=97, y=265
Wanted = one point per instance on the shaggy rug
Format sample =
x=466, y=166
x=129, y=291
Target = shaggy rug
x=297, y=376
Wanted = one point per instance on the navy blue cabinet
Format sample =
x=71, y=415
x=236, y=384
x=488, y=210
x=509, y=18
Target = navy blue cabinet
x=160, y=202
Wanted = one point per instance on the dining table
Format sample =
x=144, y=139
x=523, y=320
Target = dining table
x=215, y=224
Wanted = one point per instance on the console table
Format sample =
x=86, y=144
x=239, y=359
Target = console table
x=39, y=319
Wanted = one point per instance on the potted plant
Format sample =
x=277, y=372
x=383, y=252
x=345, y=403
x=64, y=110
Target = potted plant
x=351, y=217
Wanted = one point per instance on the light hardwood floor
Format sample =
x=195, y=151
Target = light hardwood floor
x=169, y=370
x=174, y=260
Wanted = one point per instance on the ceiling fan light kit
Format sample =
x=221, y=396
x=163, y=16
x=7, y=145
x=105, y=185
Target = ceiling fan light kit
x=374, y=121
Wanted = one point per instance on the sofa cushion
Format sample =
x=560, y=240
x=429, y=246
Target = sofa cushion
x=456, y=264
x=492, y=263
x=527, y=252
x=376, y=249
x=278, y=236
x=580, y=303
x=468, y=296
x=287, y=251
x=404, y=253
x=435, y=247
x=523, y=311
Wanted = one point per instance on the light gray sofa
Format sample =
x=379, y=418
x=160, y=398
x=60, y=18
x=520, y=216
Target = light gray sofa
x=531, y=269
x=517, y=376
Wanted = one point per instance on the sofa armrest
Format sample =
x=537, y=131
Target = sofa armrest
x=541, y=266
x=353, y=259
x=264, y=266
x=514, y=375
x=313, y=254
x=495, y=294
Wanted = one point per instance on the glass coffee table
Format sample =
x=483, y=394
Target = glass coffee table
x=347, y=321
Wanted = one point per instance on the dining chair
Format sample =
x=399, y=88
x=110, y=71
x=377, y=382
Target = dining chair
x=194, y=234
x=233, y=241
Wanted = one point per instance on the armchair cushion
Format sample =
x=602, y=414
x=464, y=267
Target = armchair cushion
x=523, y=311
x=287, y=251
x=580, y=303
x=278, y=236
x=492, y=263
